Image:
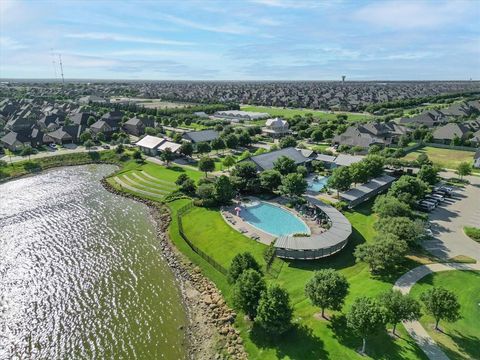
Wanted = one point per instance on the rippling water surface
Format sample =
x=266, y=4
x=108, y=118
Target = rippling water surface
x=80, y=273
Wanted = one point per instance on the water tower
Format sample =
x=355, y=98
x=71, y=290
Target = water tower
x=343, y=78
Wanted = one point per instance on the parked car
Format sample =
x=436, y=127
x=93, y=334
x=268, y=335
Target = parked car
x=52, y=146
x=428, y=202
x=105, y=146
x=425, y=207
x=432, y=199
x=437, y=196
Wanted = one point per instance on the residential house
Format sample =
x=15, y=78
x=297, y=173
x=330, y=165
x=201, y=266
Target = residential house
x=49, y=122
x=430, y=118
x=445, y=134
x=276, y=128
x=266, y=161
x=20, y=124
x=196, y=137
x=81, y=118
x=105, y=125
x=152, y=145
x=136, y=126
x=476, y=159
x=65, y=134
x=365, y=135
x=238, y=115
x=18, y=140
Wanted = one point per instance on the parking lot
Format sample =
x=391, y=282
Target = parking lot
x=449, y=218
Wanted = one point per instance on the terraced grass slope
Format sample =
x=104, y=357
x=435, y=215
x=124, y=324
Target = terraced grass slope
x=150, y=180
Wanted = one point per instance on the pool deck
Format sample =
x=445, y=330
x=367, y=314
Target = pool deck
x=240, y=225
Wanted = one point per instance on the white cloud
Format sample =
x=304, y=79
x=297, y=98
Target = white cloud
x=124, y=38
x=231, y=28
x=288, y=4
x=8, y=43
x=413, y=15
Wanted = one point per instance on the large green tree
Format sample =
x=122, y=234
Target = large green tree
x=186, y=148
x=293, y=185
x=270, y=180
x=224, y=191
x=386, y=205
x=441, y=304
x=274, y=312
x=399, y=307
x=245, y=177
x=428, y=174
x=359, y=172
x=340, y=179
x=383, y=254
x=247, y=291
x=463, y=169
x=373, y=165
x=206, y=165
x=239, y=264
x=288, y=141
x=327, y=289
x=366, y=318
x=403, y=227
x=285, y=165
x=408, y=189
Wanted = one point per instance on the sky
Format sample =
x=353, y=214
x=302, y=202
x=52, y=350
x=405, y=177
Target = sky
x=241, y=40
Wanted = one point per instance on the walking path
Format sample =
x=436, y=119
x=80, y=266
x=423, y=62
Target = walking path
x=68, y=149
x=405, y=283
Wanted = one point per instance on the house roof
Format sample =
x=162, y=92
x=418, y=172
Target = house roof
x=347, y=160
x=169, y=145
x=66, y=132
x=150, y=142
x=201, y=136
x=266, y=161
x=449, y=131
x=12, y=137
x=364, y=190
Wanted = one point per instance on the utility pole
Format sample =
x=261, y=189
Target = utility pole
x=61, y=68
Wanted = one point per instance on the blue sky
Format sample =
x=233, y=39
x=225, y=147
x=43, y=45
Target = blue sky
x=241, y=40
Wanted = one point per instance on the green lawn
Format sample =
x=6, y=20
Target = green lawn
x=446, y=158
x=289, y=113
x=472, y=232
x=310, y=338
x=461, y=339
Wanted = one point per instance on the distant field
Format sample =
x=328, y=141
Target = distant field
x=446, y=158
x=289, y=113
x=158, y=103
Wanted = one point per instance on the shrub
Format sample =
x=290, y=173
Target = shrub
x=472, y=232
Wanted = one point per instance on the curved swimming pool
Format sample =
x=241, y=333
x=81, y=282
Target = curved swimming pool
x=273, y=219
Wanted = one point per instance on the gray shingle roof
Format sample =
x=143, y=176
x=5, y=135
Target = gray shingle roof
x=201, y=136
x=266, y=161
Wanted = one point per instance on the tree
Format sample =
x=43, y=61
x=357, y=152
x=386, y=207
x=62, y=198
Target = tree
x=137, y=155
x=464, y=169
x=167, y=155
x=441, y=304
x=229, y=161
x=285, y=165
x=181, y=179
x=188, y=186
x=399, y=307
x=90, y=121
x=120, y=149
x=302, y=170
x=408, y=189
x=403, y=141
x=316, y=135
x=287, y=141
x=366, y=317
x=224, y=191
x=402, y=227
x=359, y=172
x=327, y=290
x=293, y=185
x=206, y=165
x=274, y=312
x=247, y=291
x=85, y=136
x=456, y=141
x=383, y=254
x=186, y=148
x=428, y=138
x=373, y=165
x=428, y=174
x=231, y=141
x=100, y=136
x=386, y=205
x=240, y=263
x=244, y=139
x=423, y=159
x=218, y=144
x=206, y=192
x=150, y=131
x=203, y=147
x=27, y=151
x=340, y=179
x=270, y=180
x=88, y=144
x=327, y=133
x=245, y=177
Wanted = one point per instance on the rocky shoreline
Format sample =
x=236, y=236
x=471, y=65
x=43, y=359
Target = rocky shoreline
x=210, y=333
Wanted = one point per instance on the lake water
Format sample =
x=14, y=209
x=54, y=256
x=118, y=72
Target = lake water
x=81, y=275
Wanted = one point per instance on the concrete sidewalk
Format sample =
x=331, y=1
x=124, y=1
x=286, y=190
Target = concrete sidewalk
x=405, y=283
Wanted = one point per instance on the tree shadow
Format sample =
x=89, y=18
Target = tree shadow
x=297, y=343
x=469, y=346
x=176, y=168
x=379, y=346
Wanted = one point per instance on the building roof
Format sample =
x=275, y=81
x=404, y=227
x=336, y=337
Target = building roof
x=201, y=136
x=174, y=147
x=242, y=114
x=347, y=160
x=266, y=161
x=12, y=137
x=449, y=131
x=150, y=142
x=365, y=190
x=276, y=122
x=326, y=158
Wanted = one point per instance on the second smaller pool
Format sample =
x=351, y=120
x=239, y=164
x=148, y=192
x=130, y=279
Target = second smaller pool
x=273, y=219
x=316, y=184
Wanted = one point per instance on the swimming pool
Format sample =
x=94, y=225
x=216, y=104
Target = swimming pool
x=316, y=184
x=273, y=219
